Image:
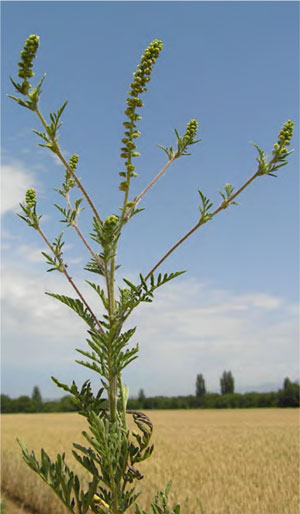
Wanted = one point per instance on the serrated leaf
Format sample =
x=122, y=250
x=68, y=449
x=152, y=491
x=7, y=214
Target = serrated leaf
x=76, y=305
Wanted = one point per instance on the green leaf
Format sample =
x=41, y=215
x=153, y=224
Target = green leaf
x=100, y=292
x=92, y=366
x=94, y=267
x=20, y=101
x=77, y=306
x=130, y=284
x=42, y=135
x=62, y=386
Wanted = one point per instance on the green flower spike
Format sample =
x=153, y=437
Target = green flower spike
x=191, y=131
x=73, y=161
x=183, y=142
x=29, y=214
x=280, y=152
x=69, y=181
x=138, y=86
x=30, y=198
x=284, y=138
x=26, y=63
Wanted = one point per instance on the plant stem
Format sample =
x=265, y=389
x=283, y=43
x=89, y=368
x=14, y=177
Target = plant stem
x=57, y=151
x=75, y=226
x=88, y=246
x=221, y=207
x=156, y=178
x=70, y=278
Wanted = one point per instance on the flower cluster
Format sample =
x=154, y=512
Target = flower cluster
x=138, y=86
x=191, y=131
x=26, y=63
x=142, y=75
x=280, y=152
x=30, y=198
x=284, y=139
x=73, y=161
x=108, y=230
x=69, y=182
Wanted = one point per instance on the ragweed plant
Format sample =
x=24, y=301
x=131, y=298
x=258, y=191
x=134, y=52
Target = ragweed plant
x=112, y=452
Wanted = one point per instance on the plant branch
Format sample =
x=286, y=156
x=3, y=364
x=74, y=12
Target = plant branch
x=70, y=278
x=74, y=224
x=221, y=207
x=151, y=184
x=57, y=151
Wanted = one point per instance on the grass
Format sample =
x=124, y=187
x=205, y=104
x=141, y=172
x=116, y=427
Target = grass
x=221, y=462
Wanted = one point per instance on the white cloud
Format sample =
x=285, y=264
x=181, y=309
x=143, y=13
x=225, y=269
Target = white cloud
x=31, y=254
x=15, y=180
x=189, y=329
x=192, y=329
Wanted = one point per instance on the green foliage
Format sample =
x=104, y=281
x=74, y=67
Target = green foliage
x=29, y=209
x=141, y=399
x=227, y=194
x=160, y=505
x=76, y=305
x=50, y=137
x=289, y=396
x=204, y=208
x=56, y=262
x=37, y=399
x=280, y=152
x=183, y=142
x=112, y=451
x=84, y=401
x=227, y=383
x=61, y=479
x=200, y=386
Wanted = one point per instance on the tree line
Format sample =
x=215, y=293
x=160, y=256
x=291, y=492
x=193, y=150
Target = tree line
x=288, y=396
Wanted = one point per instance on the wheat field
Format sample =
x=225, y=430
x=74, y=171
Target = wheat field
x=221, y=462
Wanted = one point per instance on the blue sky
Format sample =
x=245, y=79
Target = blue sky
x=234, y=66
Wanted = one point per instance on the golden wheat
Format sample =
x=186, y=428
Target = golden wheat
x=221, y=462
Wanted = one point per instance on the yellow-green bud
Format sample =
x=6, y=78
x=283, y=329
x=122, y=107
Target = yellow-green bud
x=73, y=161
x=191, y=131
x=111, y=220
x=27, y=55
x=30, y=198
x=130, y=145
x=123, y=186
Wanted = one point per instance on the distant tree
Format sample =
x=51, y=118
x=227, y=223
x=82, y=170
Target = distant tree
x=24, y=404
x=36, y=395
x=287, y=384
x=141, y=398
x=200, y=386
x=289, y=396
x=6, y=404
x=227, y=383
x=66, y=404
x=51, y=406
x=37, y=399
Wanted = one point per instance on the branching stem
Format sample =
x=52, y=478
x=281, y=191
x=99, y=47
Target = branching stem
x=57, y=151
x=221, y=207
x=156, y=178
x=88, y=246
x=75, y=226
x=70, y=278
